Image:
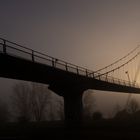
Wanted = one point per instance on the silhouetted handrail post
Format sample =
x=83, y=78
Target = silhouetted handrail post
x=77, y=70
x=86, y=73
x=124, y=83
x=53, y=62
x=113, y=79
x=106, y=78
x=93, y=74
x=99, y=77
x=4, y=46
x=119, y=81
x=66, y=67
x=128, y=77
x=33, y=56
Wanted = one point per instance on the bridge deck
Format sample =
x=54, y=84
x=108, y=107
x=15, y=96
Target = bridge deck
x=58, y=79
x=19, y=62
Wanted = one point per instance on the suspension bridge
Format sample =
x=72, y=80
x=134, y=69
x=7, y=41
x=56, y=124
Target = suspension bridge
x=66, y=79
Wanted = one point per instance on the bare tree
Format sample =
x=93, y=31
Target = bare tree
x=88, y=103
x=117, y=108
x=61, y=110
x=30, y=101
x=4, y=112
x=40, y=98
x=55, y=108
x=133, y=106
x=21, y=101
x=97, y=115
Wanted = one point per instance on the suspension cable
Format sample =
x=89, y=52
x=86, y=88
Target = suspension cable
x=118, y=59
x=119, y=66
x=137, y=73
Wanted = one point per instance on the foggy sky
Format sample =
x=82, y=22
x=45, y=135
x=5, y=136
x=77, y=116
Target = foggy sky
x=89, y=33
x=85, y=32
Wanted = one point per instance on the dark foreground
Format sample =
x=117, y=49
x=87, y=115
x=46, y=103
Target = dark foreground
x=105, y=129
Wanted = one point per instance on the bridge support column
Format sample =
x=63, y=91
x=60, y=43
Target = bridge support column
x=73, y=109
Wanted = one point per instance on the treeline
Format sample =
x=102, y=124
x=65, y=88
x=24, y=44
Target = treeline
x=32, y=102
x=131, y=112
x=35, y=102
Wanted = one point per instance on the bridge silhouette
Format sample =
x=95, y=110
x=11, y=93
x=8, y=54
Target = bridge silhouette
x=65, y=79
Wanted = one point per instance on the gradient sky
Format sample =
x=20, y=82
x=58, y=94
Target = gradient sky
x=89, y=33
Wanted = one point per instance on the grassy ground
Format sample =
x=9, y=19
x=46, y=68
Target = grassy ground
x=105, y=129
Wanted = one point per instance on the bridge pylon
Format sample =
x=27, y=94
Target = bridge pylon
x=73, y=109
x=73, y=106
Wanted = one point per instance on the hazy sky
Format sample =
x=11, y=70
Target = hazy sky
x=84, y=32
x=90, y=33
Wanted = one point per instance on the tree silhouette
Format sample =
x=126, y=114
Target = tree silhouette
x=131, y=112
x=97, y=115
x=40, y=98
x=88, y=103
x=4, y=112
x=21, y=99
x=30, y=100
x=133, y=106
x=35, y=102
x=117, y=108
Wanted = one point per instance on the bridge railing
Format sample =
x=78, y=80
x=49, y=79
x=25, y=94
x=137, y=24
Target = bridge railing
x=14, y=49
x=118, y=81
